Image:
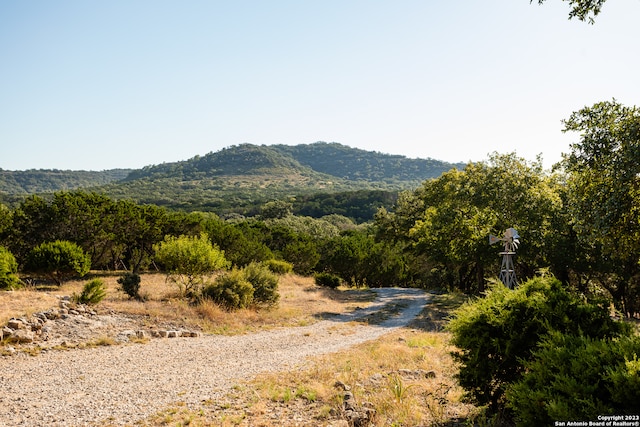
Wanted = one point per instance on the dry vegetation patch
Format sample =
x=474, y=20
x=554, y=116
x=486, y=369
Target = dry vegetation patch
x=301, y=303
x=406, y=376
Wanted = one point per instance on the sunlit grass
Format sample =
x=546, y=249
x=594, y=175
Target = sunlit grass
x=374, y=371
x=301, y=303
x=407, y=376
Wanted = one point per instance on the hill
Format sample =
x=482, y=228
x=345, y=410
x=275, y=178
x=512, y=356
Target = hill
x=240, y=178
x=356, y=164
x=49, y=180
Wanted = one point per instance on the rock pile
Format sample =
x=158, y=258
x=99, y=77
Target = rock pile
x=37, y=327
x=355, y=415
x=74, y=323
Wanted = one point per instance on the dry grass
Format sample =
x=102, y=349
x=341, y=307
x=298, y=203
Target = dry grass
x=301, y=302
x=375, y=372
x=24, y=302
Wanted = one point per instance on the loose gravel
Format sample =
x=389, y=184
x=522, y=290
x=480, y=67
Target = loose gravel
x=125, y=383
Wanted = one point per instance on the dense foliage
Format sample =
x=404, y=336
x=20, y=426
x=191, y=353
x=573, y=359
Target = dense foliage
x=360, y=165
x=579, y=223
x=44, y=181
x=449, y=219
x=604, y=196
x=237, y=179
x=576, y=377
x=498, y=333
x=58, y=261
x=264, y=282
x=188, y=260
x=8, y=270
x=232, y=290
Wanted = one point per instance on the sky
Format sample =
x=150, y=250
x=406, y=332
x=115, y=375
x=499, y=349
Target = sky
x=96, y=85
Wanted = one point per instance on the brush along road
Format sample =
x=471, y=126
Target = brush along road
x=124, y=383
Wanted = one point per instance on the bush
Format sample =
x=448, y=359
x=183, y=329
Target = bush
x=279, y=267
x=573, y=377
x=92, y=293
x=8, y=270
x=130, y=285
x=231, y=290
x=59, y=261
x=327, y=280
x=497, y=334
x=187, y=260
x=264, y=282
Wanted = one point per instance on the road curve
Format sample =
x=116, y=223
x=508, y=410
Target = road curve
x=126, y=383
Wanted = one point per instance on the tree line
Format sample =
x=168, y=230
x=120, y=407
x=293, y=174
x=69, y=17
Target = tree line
x=579, y=223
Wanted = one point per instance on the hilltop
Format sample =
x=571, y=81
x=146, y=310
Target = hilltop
x=238, y=178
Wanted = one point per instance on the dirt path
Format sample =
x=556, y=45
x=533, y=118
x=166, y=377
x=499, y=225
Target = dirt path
x=126, y=383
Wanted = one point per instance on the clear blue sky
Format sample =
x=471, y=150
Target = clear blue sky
x=108, y=84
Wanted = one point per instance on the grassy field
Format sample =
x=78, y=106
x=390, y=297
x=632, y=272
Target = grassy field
x=406, y=377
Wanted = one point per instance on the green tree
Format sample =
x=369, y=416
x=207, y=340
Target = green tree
x=241, y=241
x=276, y=209
x=58, y=261
x=449, y=219
x=137, y=228
x=8, y=270
x=347, y=256
x=583, y=9
x=33, y=224
x=188, y=260
x=5, y=222
x=604, y=196
x=86, y=219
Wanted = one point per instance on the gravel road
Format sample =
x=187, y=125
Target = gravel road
x=126, y=383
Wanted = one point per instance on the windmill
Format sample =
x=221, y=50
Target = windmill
x=511, y=242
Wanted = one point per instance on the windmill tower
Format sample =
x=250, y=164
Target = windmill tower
x=511, y=242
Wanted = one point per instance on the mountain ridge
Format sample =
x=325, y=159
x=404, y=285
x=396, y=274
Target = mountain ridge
x=238, y=178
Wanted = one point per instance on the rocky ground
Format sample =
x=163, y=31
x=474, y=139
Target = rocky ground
x=75, y=325
x=162, y=364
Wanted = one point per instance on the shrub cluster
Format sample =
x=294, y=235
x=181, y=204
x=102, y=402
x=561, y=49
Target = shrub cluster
x=58, y=261
x=529, y=350
x=574, y=377
x=8, y=270
x=187, y=260
x=327, y=280
x=279, y=267
x=240, y=288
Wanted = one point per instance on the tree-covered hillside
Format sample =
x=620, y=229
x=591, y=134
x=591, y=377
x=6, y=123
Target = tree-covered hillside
x=45, y=180
x=355, y=164
x=239, y=179
x=245, y=159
